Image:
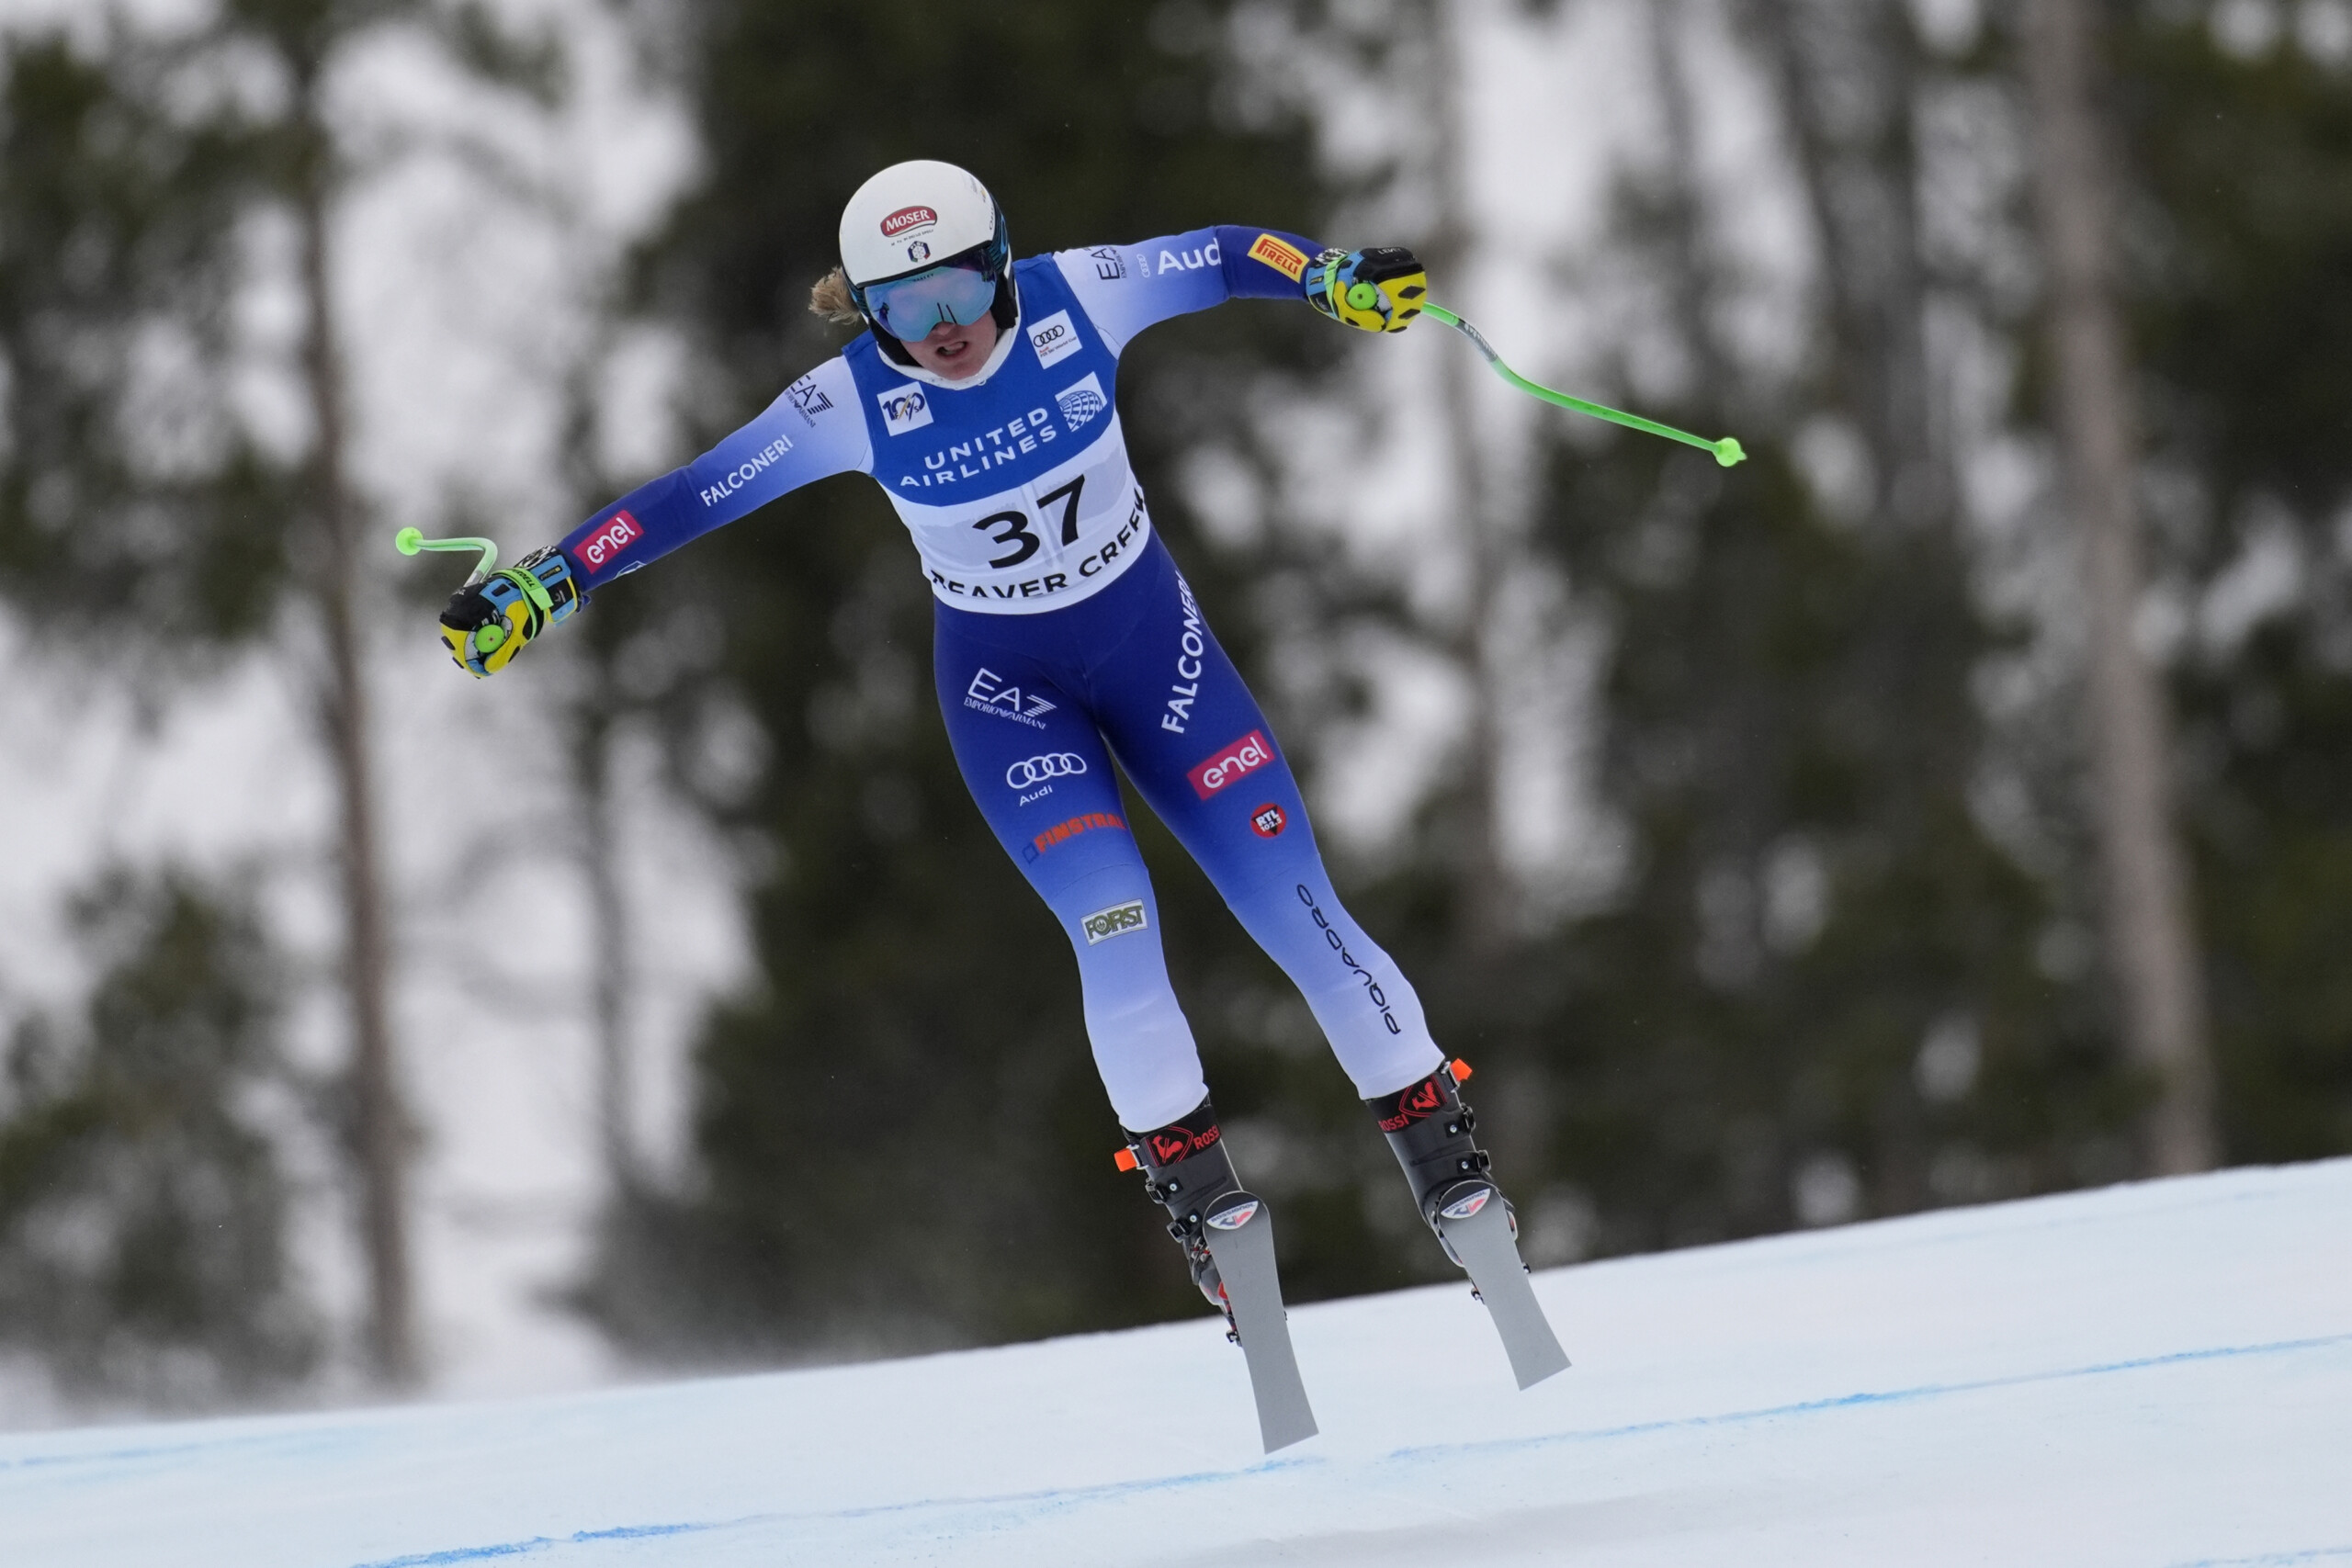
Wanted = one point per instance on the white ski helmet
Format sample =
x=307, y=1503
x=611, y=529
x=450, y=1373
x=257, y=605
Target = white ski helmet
x=919, y=217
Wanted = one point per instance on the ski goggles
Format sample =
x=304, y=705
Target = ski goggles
x=911, y=308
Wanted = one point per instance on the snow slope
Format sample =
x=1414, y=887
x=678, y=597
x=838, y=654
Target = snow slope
x=2152, y=1376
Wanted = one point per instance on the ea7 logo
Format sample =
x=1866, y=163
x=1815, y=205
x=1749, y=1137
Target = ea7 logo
x=604, y=547
x=904, y=407
x=1054, y=337
x=1080, y=402
x=1116, y=921
x=805, y=398
x=987, y=694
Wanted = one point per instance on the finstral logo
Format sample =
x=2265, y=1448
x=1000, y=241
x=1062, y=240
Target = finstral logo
x=907, y=219
x=1230, y=761
x=604, y=546
x=1061, y=832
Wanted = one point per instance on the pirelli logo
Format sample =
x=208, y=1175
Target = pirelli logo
x=1280, y=254
x=1116, y=921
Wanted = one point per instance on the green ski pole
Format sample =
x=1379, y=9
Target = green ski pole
x=1725, y=451
x=408, y=541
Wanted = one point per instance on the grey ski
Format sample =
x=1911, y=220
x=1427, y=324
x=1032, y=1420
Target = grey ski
x=1240, y=1235
x=1483, y=1244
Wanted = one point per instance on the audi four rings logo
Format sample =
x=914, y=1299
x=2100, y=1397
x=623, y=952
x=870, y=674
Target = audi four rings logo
x=1034, y=770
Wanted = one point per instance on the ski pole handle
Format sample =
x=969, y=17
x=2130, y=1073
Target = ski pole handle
x=1726, y=451
x=408, y=541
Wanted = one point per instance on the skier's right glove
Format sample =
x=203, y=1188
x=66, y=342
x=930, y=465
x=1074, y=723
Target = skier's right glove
x=1379, y=290
x=487, y=623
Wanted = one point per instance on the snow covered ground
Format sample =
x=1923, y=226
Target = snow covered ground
x=2154, y=1376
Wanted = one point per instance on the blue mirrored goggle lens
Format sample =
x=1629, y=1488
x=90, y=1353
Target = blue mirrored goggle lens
x=908, y=309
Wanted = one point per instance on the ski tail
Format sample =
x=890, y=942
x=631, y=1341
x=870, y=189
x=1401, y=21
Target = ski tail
x=1432, y=1133
x=1228, y=1235
x=1475, y=1223
x=1240, y=1230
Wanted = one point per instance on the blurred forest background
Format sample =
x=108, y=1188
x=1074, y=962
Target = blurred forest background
x=1952, y=803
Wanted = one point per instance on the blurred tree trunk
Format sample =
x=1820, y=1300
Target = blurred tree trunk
x=592, y=718
x=1848, y=73
x=2146, y=877
x=1691, y=282
x=608, y=922
x=380, y=1126
x=1487, y=902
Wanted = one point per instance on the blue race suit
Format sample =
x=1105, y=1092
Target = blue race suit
x=1065, y=635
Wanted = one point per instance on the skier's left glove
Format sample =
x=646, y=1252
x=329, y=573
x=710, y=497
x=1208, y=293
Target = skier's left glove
x=487, y=623
x=1380, y=290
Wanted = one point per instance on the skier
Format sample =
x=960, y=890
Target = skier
x=980, y=397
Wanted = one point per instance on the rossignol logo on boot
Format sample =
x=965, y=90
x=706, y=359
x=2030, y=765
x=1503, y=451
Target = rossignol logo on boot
x=1233, y=1219
x=1230, y=762
x=604, y=547
x=1176, y=1142
x=1116, y=921
x=1422, y=1099
x=1462, y=1208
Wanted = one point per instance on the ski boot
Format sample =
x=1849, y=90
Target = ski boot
x=1430, y=1130
x=1228, y=1235
x=1188, y=1173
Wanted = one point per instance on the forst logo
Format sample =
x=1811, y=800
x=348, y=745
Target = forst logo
x=604, y=546
x=1116, y=921
x=1231, y=762
x=906, y=219
x=1268, y=821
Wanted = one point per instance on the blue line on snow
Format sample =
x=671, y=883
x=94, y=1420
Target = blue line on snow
x=2272, y=1559
x=1068, y=1496
x=1889, y=1396
x=536, y=1543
